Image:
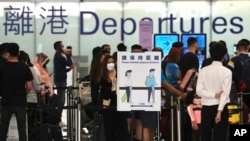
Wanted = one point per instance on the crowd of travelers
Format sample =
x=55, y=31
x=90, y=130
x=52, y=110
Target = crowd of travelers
x=204, y=109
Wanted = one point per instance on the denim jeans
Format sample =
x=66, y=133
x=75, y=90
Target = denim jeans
x=20, y=113
x=61, y=92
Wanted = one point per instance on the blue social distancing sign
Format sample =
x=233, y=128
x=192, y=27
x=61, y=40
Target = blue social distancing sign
x=239, y=132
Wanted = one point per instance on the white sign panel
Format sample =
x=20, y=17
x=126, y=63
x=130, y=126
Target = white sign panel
x=139, y=83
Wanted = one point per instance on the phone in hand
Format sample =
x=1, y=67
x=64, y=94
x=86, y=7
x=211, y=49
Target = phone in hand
x=234, y=48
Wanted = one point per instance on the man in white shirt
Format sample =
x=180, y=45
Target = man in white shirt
x=213, y=86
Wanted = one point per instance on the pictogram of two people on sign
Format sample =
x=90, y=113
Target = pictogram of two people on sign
x=150, y=83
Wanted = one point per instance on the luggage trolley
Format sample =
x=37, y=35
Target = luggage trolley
x=73, y=114
x=87, y=109
x=76, y=97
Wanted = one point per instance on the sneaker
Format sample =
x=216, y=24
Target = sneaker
x=62, y=124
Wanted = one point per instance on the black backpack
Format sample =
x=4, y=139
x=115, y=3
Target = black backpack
x=52, y=111
x=245, y=73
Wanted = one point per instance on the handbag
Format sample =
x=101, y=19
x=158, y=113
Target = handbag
x=189, y=81
x=98, y=131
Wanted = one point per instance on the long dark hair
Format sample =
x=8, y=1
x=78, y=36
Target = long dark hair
x=24, y=57
x=95, y=68
x=105, y=71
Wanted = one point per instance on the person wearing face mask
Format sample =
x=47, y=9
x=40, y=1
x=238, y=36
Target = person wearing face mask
x=114, y=122
x=62, y=63
x=194, y=107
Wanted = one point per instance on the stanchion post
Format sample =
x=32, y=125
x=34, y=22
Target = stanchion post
x=79, y=120
x=75, y=116
x=158, y=126
x=240, y=106
x=172, y=117
x=178, y=109
x=69, y=127
x=79, y=112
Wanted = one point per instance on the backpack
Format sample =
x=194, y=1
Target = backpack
x=245, y=72
x=51, y=111
x=189, y=81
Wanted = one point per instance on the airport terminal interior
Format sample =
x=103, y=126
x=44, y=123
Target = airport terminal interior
x=84, y=25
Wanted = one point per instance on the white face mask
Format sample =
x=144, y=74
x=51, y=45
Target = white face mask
x=110, y=66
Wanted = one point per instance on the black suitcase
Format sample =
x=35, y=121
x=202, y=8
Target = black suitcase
x=49, y=129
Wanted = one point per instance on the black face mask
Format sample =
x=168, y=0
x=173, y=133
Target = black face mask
x=196, y=52
x=44, y=66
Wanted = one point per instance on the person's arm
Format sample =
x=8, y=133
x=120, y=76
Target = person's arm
x=105, y=92
x=173, y=90
x=200, y=88
x=29, y=78
x=37, y=78
x=69, y=63
x=28, y=86
x=226, y=87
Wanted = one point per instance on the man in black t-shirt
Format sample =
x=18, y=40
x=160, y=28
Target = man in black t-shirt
x=15, y=81
x=3, y=53
x=3, y=58
x=188, y=61
x=236, y=66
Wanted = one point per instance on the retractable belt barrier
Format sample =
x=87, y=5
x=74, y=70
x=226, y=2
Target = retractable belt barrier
x=75, y=106
x=240, y=103
x=73, y=114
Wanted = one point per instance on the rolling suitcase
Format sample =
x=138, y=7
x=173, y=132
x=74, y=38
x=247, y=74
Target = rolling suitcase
x=49, y=115
x=233, y=113
x=188, y=83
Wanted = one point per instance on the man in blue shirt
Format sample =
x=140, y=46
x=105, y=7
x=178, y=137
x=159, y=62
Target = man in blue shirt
x=62, y=65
